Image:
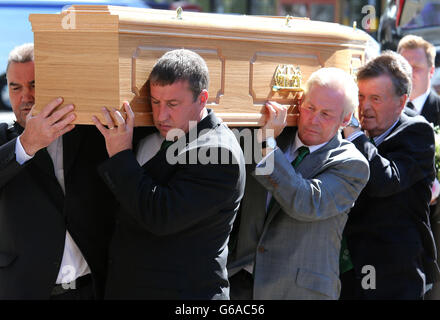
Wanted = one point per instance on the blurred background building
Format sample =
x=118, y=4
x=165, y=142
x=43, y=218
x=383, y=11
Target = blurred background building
x=340, y=11
x=386, y=21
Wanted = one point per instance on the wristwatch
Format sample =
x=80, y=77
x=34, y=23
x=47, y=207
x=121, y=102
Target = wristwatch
x=354, y=123
x=269, y=143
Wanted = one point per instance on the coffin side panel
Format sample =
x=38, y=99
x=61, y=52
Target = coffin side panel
x=79, y=65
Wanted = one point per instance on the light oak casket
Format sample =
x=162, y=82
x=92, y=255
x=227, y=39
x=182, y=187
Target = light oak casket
x=97, y=56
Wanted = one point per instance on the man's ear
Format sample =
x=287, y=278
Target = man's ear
x=346, y=119
x=431, y=72
x=402, y=101
x=203, y=98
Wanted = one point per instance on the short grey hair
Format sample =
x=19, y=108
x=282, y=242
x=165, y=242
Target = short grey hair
x=21, y=54
x=337, y=79
x=180, y=65
x=393, y=65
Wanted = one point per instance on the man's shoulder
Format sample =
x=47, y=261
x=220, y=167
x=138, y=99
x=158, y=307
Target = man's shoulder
x=407, y=123
x=219, y=137
x=433, y=96
x=4, y=126
x=432, y=104
x=346, y=151
x=411, y=131
x=224, y=138
x=7, y=132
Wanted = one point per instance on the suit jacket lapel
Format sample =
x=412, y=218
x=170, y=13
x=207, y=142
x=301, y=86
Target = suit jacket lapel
x=309, y=167
x=16, y=130
x=397, y=128
x=43, y=161
x=42, y=170
x=312, y=164
x=429, y=111
x=71, y=144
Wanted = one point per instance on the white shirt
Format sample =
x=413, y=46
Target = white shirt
x=150, y=145
x=73, y=264
x=377, y=140
x=419, y=102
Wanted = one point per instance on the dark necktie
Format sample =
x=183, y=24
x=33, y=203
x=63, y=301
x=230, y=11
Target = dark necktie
x=302, y=152
x=410, y=105
x=372, y=141
x=165, y=144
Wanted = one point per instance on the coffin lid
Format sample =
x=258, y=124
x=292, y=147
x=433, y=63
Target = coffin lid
x=80, y=18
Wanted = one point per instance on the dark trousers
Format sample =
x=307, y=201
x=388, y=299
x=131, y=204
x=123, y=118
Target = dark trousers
x=350, y=286
x=397, y=286
x=434, y=218
x=241, y=286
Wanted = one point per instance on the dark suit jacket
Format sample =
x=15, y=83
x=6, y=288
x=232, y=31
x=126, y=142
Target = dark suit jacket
x=171, y=233
x=388, y=228
x=34, y=213
x=431, y=108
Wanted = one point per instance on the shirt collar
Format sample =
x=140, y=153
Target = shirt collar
x=379, y=139
x=420, y=101
x=298, y=143
x=205, y=114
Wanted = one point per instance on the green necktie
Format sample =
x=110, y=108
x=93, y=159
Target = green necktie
x=372, y=141
x=345, y=263
x=302, y=152
x=165, y=144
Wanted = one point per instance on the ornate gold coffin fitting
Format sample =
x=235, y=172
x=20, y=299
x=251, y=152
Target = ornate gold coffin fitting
x=97, y=56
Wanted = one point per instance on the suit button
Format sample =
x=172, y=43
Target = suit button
x=261, y=249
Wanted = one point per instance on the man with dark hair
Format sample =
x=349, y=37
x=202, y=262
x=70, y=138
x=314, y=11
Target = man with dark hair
x=56, y=215
x=179, y=200
x=388, y=234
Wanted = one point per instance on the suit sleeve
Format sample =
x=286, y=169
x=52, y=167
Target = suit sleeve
x=9, y=167
x=194, y=193
x=409, y=158
x=331, y=192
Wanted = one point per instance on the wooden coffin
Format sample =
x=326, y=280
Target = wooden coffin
x=97, y=56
